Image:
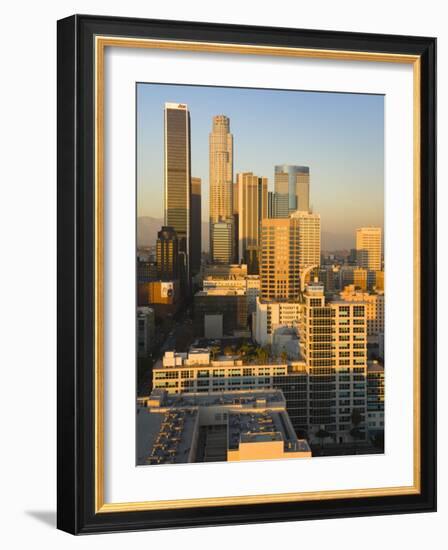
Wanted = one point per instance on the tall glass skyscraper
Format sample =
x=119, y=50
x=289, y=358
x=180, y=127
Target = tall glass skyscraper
x=177, y=185
x=293, y=181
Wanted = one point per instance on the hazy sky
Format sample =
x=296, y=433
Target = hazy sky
x=339, y=136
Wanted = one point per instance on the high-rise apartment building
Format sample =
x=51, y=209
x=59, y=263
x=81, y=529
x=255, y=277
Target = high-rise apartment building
x=368, y=248
x=293, y=181
x=252, y=209
x=177, y=188
x=221, y=178
x=167, y=253
x=289, y=249
x=333, y=339
x=196, y=225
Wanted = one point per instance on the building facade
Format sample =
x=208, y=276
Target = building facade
x=270, y=316
x=177, y=180
x=222, y=236
x=368, y=248
x=145, y=331
x=375, y=307
x=197, y=372
x=196, y=225
x=167, y=254
x=230, y=304
x=333, y=338
x=293, y=181
x=221, y=181
x=289, y=249
x=252, y=209
x=375, y=397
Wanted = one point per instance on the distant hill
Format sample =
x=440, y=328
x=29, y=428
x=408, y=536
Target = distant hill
x=148, y=227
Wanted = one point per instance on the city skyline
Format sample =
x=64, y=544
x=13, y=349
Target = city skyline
x=262, y=346
x=340, y=138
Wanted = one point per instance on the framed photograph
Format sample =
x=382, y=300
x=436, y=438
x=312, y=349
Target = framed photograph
x=246, y=274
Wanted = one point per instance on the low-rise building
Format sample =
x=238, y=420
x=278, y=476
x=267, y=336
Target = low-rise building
x=285, y=342
x=270, y=315
x=231, y=304
x=163, y=296
x=231, y=426
x=197, y=372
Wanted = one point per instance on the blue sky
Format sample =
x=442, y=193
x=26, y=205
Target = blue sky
x=339, y=136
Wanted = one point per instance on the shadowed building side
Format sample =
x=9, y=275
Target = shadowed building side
x=177, y=181
x=196, y=225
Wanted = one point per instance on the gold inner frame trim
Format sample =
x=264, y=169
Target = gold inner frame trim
x=101, y=42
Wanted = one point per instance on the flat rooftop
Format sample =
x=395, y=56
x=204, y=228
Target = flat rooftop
x=239, y=398
x=165, y=437
x=263, y=426
x=220, y=292
x=169, y=425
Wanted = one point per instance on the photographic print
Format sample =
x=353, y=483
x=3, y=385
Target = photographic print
x=233, y=202
x=260, y=274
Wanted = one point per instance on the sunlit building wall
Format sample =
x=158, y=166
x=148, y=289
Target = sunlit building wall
x=333, y=338
x=220, y=178
x=252, y=209
x=368, y=248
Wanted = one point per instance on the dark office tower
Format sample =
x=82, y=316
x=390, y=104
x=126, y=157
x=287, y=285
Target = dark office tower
x=196, y=225
x=177, y=189
x=167, y=251
x=293, y=181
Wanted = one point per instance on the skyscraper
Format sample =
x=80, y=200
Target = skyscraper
x=177, y=188
x=252, y=209
x=221, y=176
x=289, y=249
x=368, y=248
x=222, y=236
x=236, y=221
x=279, y=274
x=167, y=251
x=307, y=226
x=293, y=181
x=196, y=225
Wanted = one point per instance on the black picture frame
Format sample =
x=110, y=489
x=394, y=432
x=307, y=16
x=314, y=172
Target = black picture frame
x=76, y=255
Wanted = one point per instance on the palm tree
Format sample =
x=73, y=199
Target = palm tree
x=262, y=355
x=228, y=350
x=214, y=350
x=245, y=349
